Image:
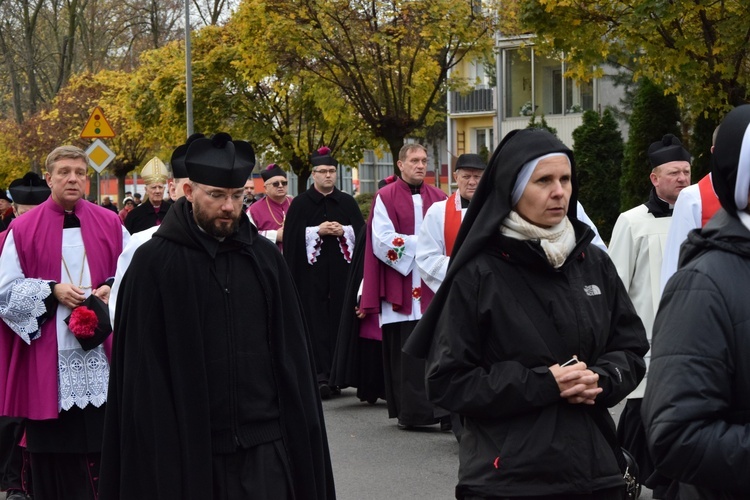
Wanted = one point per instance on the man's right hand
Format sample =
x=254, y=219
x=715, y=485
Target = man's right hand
x=68, y=295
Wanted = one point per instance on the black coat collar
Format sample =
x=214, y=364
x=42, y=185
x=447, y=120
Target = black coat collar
x=316, y=196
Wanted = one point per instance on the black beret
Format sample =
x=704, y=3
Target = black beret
x=219, y=161
x=669, y=148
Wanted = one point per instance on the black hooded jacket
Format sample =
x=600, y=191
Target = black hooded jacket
x=500, y=319
x=193, y=374
x=696, y=408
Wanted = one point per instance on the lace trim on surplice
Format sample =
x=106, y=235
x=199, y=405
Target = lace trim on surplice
x=23, y=304
x=84, y=376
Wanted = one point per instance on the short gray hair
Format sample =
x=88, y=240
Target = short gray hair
x=65, y=152
x=406, y=148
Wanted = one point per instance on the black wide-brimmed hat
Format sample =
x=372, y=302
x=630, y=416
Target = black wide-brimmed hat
x=220, y=161
x=470, y=160
x=29, y=190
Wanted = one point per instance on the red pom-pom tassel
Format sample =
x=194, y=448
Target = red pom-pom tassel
x=83, y=322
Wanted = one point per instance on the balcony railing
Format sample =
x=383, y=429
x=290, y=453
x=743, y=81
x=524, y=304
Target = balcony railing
x=477, y=100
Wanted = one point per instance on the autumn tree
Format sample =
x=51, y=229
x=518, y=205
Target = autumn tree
x=389, y=60
x=44, y=43
x=697, y=51
x=241, y=88
x=301, y=111
x=212, y=12
x=62, y=120
x=14, y=163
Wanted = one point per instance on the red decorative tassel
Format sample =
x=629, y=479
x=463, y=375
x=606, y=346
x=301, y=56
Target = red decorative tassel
x=83, y=322
x=324, y=150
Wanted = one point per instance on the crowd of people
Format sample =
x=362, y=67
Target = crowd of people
x=181, y=347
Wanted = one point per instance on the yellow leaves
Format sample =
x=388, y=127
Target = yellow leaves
x=680, y=45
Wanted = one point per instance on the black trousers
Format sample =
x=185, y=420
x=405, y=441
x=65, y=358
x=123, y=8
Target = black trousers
x=12, y=462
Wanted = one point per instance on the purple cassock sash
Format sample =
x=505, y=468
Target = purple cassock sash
x=380, y=280
x=28, y=373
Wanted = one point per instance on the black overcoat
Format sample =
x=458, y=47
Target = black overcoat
x=157, y=441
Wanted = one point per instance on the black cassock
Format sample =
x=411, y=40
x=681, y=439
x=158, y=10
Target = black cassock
x=357, y=361
x=321, y=285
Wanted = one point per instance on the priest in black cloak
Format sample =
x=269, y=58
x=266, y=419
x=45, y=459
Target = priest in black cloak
x=212, y=387
x=319, y=240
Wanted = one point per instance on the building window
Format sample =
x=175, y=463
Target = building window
x=535, y=84
x=484, y=141
x=518, y=82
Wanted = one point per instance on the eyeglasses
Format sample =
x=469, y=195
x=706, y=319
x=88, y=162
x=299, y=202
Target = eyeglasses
x=326, y=171
x=277, y=183
x=237, y=196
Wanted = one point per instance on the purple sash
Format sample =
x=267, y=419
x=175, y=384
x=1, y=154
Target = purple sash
x=380, y=280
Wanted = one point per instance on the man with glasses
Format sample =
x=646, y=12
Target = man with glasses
x=320, y=236
x=151, y=212
x=213, y=390
x=270, y=212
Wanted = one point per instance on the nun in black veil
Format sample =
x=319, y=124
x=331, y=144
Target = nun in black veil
x=532, y=335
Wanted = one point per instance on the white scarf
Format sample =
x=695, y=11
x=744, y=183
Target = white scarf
x=557, y=241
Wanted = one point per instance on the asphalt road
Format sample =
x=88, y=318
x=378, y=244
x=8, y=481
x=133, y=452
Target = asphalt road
x=374, y=460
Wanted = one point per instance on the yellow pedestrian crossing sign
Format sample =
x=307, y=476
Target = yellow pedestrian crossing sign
x=97, y=126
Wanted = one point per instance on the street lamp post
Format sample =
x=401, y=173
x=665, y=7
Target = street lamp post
x=188, y=73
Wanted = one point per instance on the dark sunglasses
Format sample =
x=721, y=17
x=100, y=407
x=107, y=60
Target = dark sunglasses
x=278, y=183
